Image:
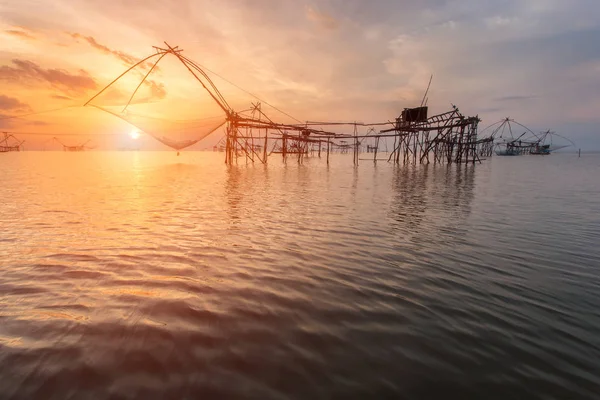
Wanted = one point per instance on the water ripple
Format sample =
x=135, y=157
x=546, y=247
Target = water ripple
x=191, y=279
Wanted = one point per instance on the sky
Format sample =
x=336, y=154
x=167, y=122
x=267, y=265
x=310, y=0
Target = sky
x=536, y=61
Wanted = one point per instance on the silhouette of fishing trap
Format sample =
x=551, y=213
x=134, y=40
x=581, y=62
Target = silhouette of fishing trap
x=449, y=137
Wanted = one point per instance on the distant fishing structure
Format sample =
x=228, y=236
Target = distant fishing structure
x=77, y=147
x=507, y=141
x=449, y=137
x=8, y=142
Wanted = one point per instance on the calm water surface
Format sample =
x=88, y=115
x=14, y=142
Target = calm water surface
x=146, y=275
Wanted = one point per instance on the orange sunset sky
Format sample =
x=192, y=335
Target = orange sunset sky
x=535, y=61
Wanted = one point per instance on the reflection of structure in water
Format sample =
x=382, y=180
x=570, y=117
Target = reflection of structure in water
x=431, y=200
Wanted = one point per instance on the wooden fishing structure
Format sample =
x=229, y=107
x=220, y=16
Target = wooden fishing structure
x=251, y=134
x=8, y=143
x=507, y=141
x=77, y=147
x=449, y=137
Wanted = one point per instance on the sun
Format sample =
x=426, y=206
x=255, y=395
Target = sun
x=134, y=134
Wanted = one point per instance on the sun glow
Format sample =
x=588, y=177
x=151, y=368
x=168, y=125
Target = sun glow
x=134, y=134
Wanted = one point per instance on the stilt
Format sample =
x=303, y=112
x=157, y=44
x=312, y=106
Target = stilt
x=265, y=146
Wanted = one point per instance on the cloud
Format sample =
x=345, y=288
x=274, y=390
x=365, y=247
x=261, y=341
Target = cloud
x=20, y=34
x=10, y=122
x=157, y=90
x=490, y=110
x=38, y=123
x=6, y=121
x=12, y=104
x=119, y=96
x=514, y=98
x=499, y=22
x=322, y=19
x=27, y=72
x=332, y=57
x=60, y=97
x=128, y=59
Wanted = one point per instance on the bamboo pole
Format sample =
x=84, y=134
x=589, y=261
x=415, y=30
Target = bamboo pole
x=265, y=148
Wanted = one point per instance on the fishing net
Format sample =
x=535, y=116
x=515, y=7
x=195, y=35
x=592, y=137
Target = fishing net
x=513, y=138
x=161, y=98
